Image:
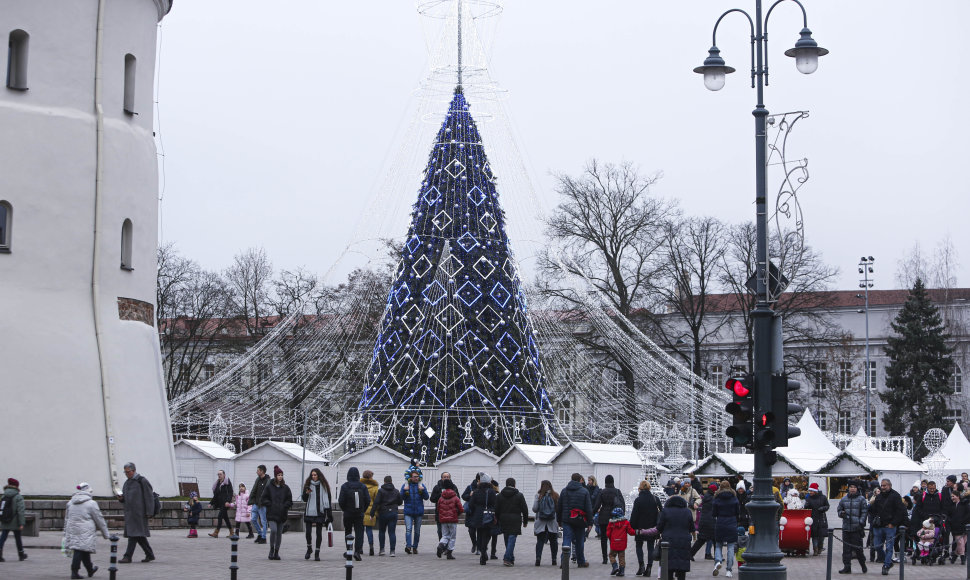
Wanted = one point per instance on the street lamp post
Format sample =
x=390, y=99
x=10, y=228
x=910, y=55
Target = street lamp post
x=865, y=268
x=762, y=558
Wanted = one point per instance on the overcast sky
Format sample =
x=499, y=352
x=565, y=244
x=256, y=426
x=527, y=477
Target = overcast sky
x=278, y=120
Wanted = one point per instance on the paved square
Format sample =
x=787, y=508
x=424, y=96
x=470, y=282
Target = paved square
x=207, y=558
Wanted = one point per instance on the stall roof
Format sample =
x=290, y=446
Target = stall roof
x=724, y=464
x=606, y=453
x=867, y=457
x=378, y=446
x=471, y=450
x=208, y=448
x=537, y=454
x=294, y=450
x=957, y=450
x=812, y=449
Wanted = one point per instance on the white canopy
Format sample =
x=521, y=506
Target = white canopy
x=727, y=464
x=811, y=450
x=957, y=450
x=861, y=457
x=535, y=454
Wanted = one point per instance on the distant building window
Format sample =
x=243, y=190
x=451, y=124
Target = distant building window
x=130, y=62
x=17, y=60
x=208, y=371
x=6, y=219
x=619, y=384
x=845, y=422
x=823, y=420
x=565, y=412
x=872, y=423
x=126, y=235
x=956, y=379
x=820, y=376
x=870, y=378
x=845, y=375
x=717, y=375
x=953, y=415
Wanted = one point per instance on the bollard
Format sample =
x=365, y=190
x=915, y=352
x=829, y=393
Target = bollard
x=349, y=555
x=113, y=566
x=566, y=550
x=903, y=544
x=967, y=531
x=233, y=565
x=664, y=556
x=828, y=557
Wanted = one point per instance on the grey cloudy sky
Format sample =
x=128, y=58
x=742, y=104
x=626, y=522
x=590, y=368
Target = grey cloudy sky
x=278, y=119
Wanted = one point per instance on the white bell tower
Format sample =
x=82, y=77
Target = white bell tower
x=80, y=371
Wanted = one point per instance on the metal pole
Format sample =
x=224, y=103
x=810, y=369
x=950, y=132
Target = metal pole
x=828, y=559
x=664, y=559
x=113, y=562
x=349, y=555
x=233, y=565
x=566, y=551
x=967, y=531
x=303, y=460
x=864, y=267
x=902, y=551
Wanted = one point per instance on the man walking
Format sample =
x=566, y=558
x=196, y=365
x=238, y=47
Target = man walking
x=414, y=493
x=443, y=484
x=257, y=511
x=575, y=512
x=853, y=509
x=510, y=510
x=354, y=499
x=888, y=513
x=139, y=500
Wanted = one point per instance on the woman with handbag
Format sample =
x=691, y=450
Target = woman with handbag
x=481, y=514
x=318, y=513
x=646, y=510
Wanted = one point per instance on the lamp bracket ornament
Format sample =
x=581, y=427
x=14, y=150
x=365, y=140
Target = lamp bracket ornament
x=788, y=217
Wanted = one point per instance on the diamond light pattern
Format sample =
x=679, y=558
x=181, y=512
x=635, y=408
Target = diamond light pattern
x=455, y=347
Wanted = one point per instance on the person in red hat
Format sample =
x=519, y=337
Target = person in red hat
x=12, y=518
x=819, y=504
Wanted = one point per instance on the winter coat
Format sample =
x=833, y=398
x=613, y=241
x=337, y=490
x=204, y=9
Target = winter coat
x=242, y=508
x=853, y=509
x=697, y=485
x=725, y=513
x=278, y=499
x=819, y=504
x=387, y=499
x=221, y=494
x=961, y=516
x=372, y=488
x=926, y=535
x=481, y=499
x=20, y=517
x=319, y=504
x=618, y=530
x=449, y=506
x=793, y=501
x=693, y=500
x=675, y=526
x=646, y=510
x=354, y=497
x=82, y=521
x=512, y=511
x=575, y=496
x=888, y=507
x=194, y=510
x=926, y=505
x=706, y=525
x=439, y=487
x=609, y=497
x=540, y=526
x=743, y=499
x=594, y=494
x=139, y=504
x=257, y=492
x=414, y=495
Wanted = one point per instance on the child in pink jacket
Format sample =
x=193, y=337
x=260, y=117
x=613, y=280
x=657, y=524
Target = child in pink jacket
x=242, y=510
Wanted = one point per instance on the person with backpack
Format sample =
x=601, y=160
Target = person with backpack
x=385, y=510
x=575, y=512
x=12, y=517
x=277, y=499
x=448, y=510
x=481, y=514
x=546, y=507
x=646, y=510
x=354, y=500
x=510, y=509
x=414, y=493
x=609, y=499
x=222, y=494
x=139, y=500
x=82, y=522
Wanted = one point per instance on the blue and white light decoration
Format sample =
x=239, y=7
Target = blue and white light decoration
x=456, y=363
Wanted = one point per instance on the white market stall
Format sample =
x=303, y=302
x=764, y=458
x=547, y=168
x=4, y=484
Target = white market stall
x=724, y=465
x=599, y=459
x=197, y=461
x=288, y=456
x=529, y=465
x=956, y=449
x=464, y=466
x=382, y=461
x=810, y=451
x=861, y=458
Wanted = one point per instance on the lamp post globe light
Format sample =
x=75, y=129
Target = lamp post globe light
x=762, y=557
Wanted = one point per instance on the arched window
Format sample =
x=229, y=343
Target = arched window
x=17, y=60
x=126, y=235
x=6, y=220
x=129, y=84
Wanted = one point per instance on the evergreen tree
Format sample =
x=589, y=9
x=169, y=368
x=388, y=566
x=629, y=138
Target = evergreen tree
x=918, y=376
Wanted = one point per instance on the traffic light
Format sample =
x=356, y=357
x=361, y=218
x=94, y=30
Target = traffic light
x=741, y=409
x=781, y=409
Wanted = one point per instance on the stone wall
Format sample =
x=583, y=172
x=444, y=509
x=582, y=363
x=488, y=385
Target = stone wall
x=137, y=310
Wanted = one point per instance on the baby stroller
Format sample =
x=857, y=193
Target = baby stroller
x=938, y=550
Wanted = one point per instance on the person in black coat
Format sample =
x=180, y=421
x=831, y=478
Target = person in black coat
x=354, y=499
x=466, y=497
x=743, y=498
x=725, y=511
x=819, y=504
x=959, y=521
x=575, y=496
x=705, y=529
x=278, y=499
x=646, y=510
x=675, y=526
x=386, y=501
x=222, y=494
x=608, y=499
x=886, y=514
x=513, y=514
x=481, y=514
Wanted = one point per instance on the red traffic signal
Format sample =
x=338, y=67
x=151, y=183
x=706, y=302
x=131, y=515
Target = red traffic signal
x=737, y=387
x=741, y=409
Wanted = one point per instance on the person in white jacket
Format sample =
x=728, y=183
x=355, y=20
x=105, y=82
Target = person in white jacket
x=81, y=522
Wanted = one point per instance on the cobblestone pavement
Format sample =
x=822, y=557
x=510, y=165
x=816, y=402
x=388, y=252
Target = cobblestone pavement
x=208, y=558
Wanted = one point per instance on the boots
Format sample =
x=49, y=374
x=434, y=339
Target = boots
x=449, y=555
x=640, y=570
x=309, y=552
x=846, y=569
x=214, y=533
x=372, y=549
x=648, y=572
x=621, y=572
x=316, y=556
x=193, y=533
x=439, y=550
x=22, y=555
x=616, y=568
x=862, y=562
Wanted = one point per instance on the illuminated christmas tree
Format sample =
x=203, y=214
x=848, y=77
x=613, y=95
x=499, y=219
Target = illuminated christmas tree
x=455, y=362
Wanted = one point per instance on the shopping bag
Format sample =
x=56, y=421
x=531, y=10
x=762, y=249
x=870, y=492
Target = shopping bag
x=329, y=535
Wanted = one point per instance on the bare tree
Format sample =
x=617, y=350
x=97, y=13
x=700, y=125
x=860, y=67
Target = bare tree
x=836, y=386
x=937, y=270
x=250, y=278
